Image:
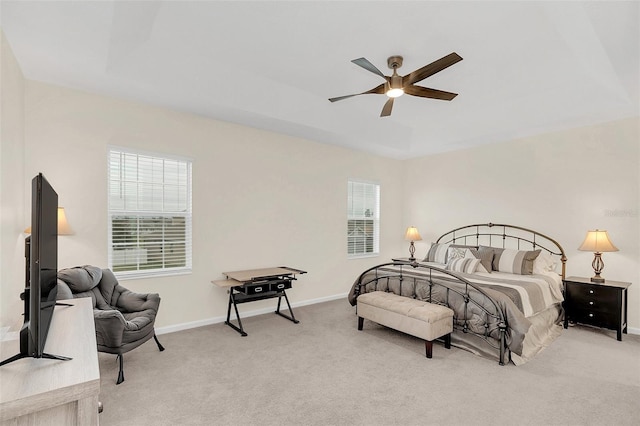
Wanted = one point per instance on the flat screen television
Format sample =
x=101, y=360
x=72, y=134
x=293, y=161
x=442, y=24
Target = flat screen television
x=41, y=285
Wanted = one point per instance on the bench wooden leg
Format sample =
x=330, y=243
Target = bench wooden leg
x=429, y=346
x=447, y=341
x=360, y=322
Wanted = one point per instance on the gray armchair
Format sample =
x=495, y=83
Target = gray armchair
x=124, y=320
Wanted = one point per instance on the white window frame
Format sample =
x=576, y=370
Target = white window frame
x=375, y=217
x=145, y=213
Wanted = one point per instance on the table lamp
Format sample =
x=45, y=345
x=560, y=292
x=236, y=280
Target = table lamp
x=412, y=235
x=63, y=225
x=598, y=242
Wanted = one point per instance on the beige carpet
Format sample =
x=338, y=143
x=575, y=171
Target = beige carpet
x=323, y=371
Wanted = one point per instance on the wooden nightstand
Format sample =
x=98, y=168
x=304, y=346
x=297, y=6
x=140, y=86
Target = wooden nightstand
x=600, y=304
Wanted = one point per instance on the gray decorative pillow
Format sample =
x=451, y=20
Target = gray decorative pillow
x=485, y=254
x=514, y=261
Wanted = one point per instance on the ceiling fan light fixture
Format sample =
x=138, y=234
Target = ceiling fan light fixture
x=394, y=88
x=394, y=93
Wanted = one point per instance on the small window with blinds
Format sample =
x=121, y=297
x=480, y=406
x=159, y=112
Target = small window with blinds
x=149, y=214
x=363, y=219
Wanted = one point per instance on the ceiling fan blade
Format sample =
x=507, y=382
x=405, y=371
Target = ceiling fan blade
x=386, y=109
x=368, y=66
x=432, y=68
x=339, y=98
x=425, y=92
x=378, y=90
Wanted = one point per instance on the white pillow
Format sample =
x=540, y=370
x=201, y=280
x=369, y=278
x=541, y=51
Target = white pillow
x=545, y=263
x=456, y=253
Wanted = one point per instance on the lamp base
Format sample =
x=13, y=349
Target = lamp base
x=412, y=251
x=598, y=266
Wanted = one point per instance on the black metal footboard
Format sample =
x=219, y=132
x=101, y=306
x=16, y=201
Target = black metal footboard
x=475, y=311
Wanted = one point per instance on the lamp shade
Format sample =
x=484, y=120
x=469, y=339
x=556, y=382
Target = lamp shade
x=598, y=242
x=63, y=225
x=412, y=234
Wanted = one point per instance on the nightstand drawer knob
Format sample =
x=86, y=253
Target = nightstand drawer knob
x=590, y=291
x=591, y=315
x=591, y=303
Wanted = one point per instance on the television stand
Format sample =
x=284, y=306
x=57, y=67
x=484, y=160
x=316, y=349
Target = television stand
x=24, y=336
x=45, y=355
x=258, y=284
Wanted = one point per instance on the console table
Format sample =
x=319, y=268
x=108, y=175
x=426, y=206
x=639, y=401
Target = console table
x=40, y=391
x=258, y=284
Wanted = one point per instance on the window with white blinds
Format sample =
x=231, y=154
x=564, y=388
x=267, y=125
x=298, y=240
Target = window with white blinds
x=149, y=214
x=363, y=219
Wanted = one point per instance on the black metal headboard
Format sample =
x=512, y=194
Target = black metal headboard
x=504, y=236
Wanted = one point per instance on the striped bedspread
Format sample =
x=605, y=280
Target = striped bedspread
x=519, y=297
x=531, y=294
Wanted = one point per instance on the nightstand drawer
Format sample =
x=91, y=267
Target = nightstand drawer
x=592, y=304
x=592, y=293
x=593, y=317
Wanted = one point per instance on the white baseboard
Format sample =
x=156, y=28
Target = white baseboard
x=5, y=334
x=216, y=320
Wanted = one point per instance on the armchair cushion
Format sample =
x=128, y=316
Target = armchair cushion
x=110, y=326
x=81, y=278
x=64, y=292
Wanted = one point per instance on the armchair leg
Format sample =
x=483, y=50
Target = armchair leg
x=160, y=347
x=120, y=373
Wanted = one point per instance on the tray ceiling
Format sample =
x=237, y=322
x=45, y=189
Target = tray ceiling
x=528, y=68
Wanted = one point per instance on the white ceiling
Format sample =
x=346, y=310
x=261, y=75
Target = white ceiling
x=528, y=68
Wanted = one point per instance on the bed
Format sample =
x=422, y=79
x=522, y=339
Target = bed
x=503, y=282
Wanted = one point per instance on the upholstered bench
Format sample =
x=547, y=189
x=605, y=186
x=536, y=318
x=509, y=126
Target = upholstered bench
x=425, y=320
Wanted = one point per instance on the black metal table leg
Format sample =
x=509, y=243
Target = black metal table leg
x=291, y=318
x=235, y=307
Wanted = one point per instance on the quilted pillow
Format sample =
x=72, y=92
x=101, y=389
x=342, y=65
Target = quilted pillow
x=514, y=261
x=437, y=253
x=466, y=265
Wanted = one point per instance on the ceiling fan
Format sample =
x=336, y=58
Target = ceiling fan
x=396, y=85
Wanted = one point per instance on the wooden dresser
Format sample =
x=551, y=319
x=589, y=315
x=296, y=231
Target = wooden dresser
x=52, y=392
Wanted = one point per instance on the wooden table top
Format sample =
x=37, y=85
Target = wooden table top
x=237, y=278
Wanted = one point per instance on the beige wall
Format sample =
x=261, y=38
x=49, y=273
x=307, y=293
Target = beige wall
x=263, y=199
x=12, y=221
x=259, y=199
x=560, y=184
